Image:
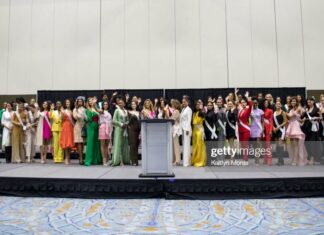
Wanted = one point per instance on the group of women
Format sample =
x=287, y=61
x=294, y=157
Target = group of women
x=261, y=122
x=109, y=130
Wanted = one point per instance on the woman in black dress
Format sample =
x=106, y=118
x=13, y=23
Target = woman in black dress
x=134, y=129
x=310, y=119
x=210, y=123
x=279, y=122
x=231, y=119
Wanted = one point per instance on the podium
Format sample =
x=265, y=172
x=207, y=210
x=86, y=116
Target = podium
x=157, y=149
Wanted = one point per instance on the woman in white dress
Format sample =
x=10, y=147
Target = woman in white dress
x=33, y=115
x=7, y=128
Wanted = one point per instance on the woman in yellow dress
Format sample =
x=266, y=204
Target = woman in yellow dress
x=198, y=144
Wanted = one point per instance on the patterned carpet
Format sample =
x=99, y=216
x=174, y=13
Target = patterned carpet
x=158, y=216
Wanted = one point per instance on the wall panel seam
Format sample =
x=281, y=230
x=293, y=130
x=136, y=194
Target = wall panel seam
x=303, y=42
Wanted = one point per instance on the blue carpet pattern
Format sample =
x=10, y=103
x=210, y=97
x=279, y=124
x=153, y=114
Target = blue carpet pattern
x=159, y=216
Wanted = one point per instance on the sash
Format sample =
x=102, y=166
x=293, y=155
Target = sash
x=282, y=129
x=266, y=121
x=124, y=115
x=46, y=119
x=20, y=121
x=148, y=114
x=69, y=116
x=222, y=126
x=315, y=126
x=241, y=123
x=31, y=117
x=171, y=110
x=228, y=122
x=212, y=131
x=245, y=126
x=257, y=121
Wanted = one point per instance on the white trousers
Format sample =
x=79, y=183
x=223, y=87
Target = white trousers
x=186, y=152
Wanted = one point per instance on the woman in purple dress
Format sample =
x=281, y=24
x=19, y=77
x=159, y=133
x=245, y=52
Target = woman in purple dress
x=257, y=125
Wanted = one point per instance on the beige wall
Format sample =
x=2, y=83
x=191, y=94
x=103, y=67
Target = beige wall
x=97, y=44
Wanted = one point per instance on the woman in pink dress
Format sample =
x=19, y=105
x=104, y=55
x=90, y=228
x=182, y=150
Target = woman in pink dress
x=105, y=130
x=44, y=133
x=296, y=148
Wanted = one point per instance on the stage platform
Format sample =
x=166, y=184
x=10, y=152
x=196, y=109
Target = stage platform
x=59, y=180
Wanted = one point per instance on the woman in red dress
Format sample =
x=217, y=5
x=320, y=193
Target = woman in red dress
x=243, y=124
x=268, y=126
x=67, y=132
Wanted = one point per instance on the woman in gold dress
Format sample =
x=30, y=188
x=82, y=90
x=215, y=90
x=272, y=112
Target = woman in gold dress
x=198, y=144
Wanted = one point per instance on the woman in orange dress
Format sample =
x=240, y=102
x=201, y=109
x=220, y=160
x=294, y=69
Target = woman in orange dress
x=67, y=133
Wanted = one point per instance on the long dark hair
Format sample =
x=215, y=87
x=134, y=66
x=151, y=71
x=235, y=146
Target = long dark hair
x=263, y=104
x=310, y=99
x=71, y=104
x=212, y=110
x=290, y=105
x=49, y=103
x=158, y=105
x=103, y=103
x=200, y=112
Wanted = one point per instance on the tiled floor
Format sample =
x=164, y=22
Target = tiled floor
x=157, y=216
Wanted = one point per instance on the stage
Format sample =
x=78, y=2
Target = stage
x=230, y=182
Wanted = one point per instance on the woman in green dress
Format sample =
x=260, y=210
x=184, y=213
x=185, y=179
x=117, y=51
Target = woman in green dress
x=121, y=148
x=93, y=155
